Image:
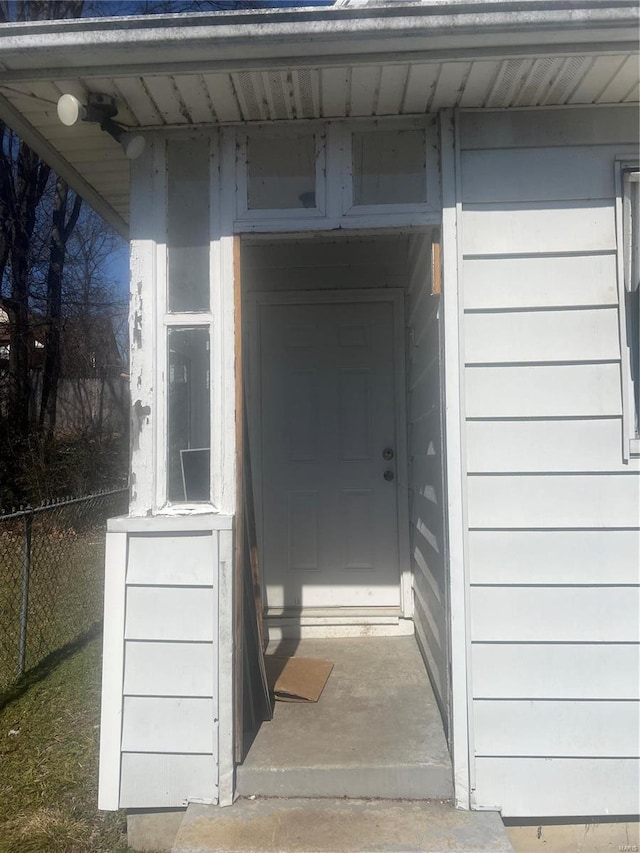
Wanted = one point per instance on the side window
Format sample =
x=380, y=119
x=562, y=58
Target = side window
x=629, y=249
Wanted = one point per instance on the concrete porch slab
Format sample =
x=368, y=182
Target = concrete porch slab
x=375, y=732
x=339, y=826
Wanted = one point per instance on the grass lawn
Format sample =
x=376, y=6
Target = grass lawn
x=49, y=763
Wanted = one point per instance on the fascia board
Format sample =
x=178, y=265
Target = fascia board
x=145, y=44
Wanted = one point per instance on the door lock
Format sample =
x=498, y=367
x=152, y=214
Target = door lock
x=388, y=475
x=387, y=453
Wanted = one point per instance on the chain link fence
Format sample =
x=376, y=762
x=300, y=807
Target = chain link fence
x=51, y=577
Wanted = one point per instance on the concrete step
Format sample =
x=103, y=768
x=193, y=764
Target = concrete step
x=376, y=731
x=339, y=826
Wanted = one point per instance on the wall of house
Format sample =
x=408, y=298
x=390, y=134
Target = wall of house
x=168, y=600
x=426, y=498
x=553, y=514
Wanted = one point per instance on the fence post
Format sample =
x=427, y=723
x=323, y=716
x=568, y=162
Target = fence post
x=24, y=593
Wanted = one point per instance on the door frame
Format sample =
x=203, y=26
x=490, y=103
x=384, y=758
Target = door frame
x=396, y=298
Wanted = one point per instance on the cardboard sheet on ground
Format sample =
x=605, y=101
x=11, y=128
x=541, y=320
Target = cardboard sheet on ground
x=297, y=679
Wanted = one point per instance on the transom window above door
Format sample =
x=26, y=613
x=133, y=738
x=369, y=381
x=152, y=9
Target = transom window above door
x=325, y=173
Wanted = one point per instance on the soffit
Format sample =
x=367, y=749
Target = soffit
x=198, y=94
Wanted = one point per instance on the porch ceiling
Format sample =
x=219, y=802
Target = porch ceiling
x=160, y=83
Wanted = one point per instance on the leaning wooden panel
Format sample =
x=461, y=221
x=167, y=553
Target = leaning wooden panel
x=556, y=728
x=595, y=614
x=555, y=671
x=558, y=786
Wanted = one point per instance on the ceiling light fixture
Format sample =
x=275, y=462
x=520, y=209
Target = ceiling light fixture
x=101, y=109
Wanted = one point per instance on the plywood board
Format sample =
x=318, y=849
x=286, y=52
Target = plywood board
x=297, y=679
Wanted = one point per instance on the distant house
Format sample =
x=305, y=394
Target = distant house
x=406, y=235
x=93, y=387
x=36, y=342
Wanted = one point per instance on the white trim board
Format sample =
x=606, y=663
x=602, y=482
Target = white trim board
x=455, y=456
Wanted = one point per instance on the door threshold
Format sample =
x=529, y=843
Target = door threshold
x=337, y=622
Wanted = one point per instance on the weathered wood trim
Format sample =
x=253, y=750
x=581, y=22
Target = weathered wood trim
x=142, y=327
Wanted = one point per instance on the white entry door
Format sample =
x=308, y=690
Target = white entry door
x=329, y=454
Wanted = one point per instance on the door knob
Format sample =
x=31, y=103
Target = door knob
x=388, y=475
x=387, y=453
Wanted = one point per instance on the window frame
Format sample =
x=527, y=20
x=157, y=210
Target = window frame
x=630, y=415
x=243, y=211
x=432, y=182
x=166, y=320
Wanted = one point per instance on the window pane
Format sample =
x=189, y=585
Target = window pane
x=281, y=172
x=188, y=225
x=389, y=167
x=188, y=415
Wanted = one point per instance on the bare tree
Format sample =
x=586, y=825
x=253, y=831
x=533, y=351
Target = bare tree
x=64, y=221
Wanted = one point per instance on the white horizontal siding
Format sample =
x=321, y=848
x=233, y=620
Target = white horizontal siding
x=553, y=508
x=530, y=391
x=168, y=669
x=554, y=501
x=168, y=724
x=541, y=336
x=540, y=281
x=539, y=446
x=554, y=556
x=170, y=701
x=580, y=729
x=169, y=613
x=559, y=786
x=182, y=560
x=506, y=228
x=555, y=671
x=167, y=780
x=539, y=174
x=545, y=128
x=555, y=614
